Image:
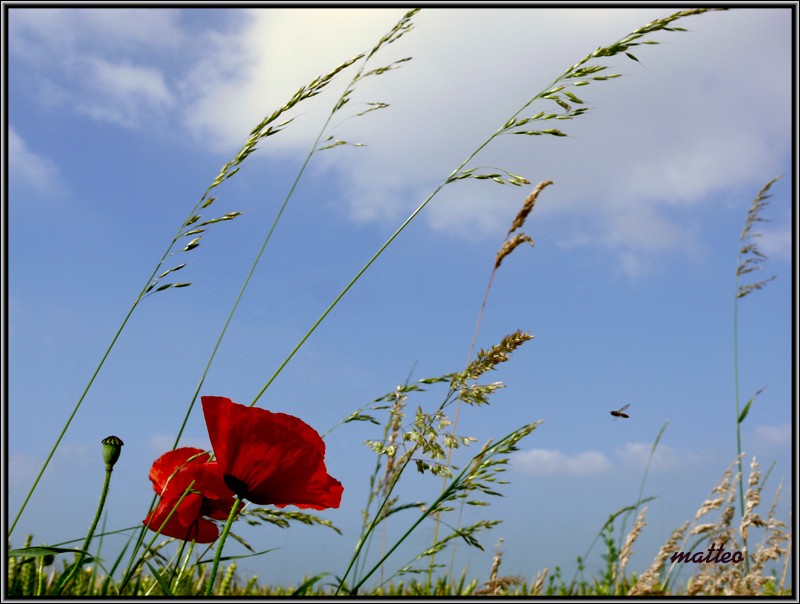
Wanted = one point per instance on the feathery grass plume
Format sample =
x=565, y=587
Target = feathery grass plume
x=647, y=582
x=771, y=548
x=425, y=442
x=627, y=548
x=508, y=246
x=487, y=360
x=750, y=259
x=497, y=585
x=750, y=256
x=612, y=551
x=752, y=499
x=713, y=578
x=498, y=557
x=479, y=476
x=538, y=583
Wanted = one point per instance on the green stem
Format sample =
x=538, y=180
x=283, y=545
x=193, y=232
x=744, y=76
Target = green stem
x=736, y=394
x=453, y=432
x=220, y=545
x=368, y=264
x=341, y=295
x=97, y=370
x=66, y=578
x=253, y=269
x=133, y=567
x=738, y=423
x=444, y=496
x=447, y=181
x=377, y=519
x=74, y=411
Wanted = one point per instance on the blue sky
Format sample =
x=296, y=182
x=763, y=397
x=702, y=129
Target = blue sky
x=118, y=120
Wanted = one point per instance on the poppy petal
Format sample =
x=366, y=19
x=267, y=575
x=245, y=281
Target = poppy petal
x=185, y=523
x=172, y=474
x=269, y=458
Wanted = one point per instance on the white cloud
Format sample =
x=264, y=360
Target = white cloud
x=665, y=458
x=40, y=36
x=98, y=62
x=680, y=127
x=30, y=168
x=549, y=461
x=250, y=72
x=633, y=455
x=23, y=468
x=776, y=242
x=780, y=435
x=688, y=122
x=124, y=93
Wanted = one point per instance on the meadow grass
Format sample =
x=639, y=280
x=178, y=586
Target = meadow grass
x=424, y=438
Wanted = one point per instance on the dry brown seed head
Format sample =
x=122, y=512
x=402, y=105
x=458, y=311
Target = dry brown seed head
x=509, y=247
x=527, y=206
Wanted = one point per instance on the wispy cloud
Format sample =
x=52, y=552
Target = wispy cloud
x=625, y=178
x=633, y=455
x=776, y=242
x=32, y=170
x=551, y=461
x=636, y=455
x=97, y=62
x=780, y=435
x=72, y=458
x=656, y=143
x=124, y=92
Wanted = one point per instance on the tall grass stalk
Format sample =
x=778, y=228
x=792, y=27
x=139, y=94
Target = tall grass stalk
x=579, y=74
x=750, y=259
x=425, y=442
x=508, y=246
x=479, y=467
x=191, y=227
x=403, y=26
x=644, y=480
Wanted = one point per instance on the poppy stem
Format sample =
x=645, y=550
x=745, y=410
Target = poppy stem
x=67, y=577
x=222, y=538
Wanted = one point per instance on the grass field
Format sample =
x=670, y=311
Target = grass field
x=734, y=545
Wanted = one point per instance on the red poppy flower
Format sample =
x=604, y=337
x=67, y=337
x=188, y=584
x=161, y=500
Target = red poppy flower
x=269, y=458
x=171, y=474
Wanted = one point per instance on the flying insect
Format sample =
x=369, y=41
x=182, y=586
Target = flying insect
x=620, y=412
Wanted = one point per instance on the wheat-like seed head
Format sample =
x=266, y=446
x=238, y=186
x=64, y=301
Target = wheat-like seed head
x=736, y=579
x=708, y=506
x=752, y=499
x=644, y=586
x=627, y=548
x=538, y=583
x=509, y=246
x=750, y=257
x=496, y=560
x=527, y=206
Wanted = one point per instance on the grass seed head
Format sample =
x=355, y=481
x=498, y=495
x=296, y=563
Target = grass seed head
x=527, y=206
x=509, y=246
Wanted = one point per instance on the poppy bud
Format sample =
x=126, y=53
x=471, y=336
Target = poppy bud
x=112, y=447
